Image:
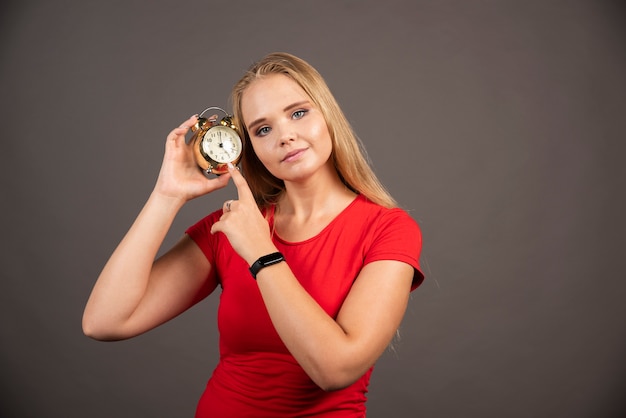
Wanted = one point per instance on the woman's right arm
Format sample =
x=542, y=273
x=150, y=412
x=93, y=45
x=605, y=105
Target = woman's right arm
x=134, y=293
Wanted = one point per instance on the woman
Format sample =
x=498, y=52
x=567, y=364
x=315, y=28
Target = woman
x=303, y=337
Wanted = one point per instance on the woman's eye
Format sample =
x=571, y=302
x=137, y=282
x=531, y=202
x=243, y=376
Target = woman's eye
x=263, y=131
x=299, y=114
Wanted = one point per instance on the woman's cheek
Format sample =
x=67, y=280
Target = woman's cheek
x=262, y=150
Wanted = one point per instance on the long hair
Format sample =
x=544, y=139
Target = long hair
x=348, y=154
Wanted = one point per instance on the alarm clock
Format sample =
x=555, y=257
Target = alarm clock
x=215, y=144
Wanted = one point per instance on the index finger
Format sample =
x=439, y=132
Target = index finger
x=243, y=190
x=183, y=128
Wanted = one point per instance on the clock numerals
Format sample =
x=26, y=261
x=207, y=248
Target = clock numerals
x=221, y=145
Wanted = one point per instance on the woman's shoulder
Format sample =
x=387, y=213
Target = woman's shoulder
x=365, y=207
x=207, y=221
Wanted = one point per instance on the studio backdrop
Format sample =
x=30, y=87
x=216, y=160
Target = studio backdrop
x=499, y=126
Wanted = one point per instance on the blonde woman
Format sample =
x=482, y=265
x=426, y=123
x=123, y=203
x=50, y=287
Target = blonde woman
x=300, y=332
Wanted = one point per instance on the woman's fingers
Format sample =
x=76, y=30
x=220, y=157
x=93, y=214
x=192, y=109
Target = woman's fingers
x=243, y=190
x=182, y=130
x=228, y=206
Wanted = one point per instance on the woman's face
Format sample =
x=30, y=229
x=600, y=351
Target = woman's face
x=288, y=132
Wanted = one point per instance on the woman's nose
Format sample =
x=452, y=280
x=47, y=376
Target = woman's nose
x=286, y=134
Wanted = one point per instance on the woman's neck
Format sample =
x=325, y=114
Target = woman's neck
x=316, y=198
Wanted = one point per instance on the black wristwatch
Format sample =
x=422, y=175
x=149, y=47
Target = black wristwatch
x=266, y=260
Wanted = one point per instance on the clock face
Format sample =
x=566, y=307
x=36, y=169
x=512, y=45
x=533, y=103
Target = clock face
x=221, y=144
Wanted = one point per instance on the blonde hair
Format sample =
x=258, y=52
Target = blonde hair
x=348, y=154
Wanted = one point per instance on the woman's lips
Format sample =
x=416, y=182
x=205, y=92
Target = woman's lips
x=293, y=155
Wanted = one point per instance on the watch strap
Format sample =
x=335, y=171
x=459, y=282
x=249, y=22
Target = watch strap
x=265, y=261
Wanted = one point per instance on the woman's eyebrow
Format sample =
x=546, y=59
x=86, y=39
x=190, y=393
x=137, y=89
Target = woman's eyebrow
x=297, y=104
x=291, y=106
x=256, y=122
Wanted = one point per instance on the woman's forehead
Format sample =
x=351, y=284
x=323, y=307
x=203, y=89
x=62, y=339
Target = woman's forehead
x=274, y=91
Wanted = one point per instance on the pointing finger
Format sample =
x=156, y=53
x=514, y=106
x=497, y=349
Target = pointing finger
x=243, y=190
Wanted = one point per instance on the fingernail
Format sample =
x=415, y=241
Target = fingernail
x=231, y=166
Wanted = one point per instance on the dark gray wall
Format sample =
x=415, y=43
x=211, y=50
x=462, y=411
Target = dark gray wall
x=498, y=124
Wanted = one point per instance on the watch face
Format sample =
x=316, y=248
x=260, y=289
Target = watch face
x=221, y=144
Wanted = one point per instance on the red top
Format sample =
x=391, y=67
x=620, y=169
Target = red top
x=256, y=375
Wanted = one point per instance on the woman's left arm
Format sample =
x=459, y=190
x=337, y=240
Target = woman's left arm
x=334, y=353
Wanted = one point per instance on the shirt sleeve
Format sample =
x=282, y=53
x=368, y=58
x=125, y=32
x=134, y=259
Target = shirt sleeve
x=200, y=233
x=397, y=237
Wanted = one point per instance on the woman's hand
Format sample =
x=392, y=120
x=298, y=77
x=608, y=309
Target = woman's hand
x=243, y=223
x=180, y=177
